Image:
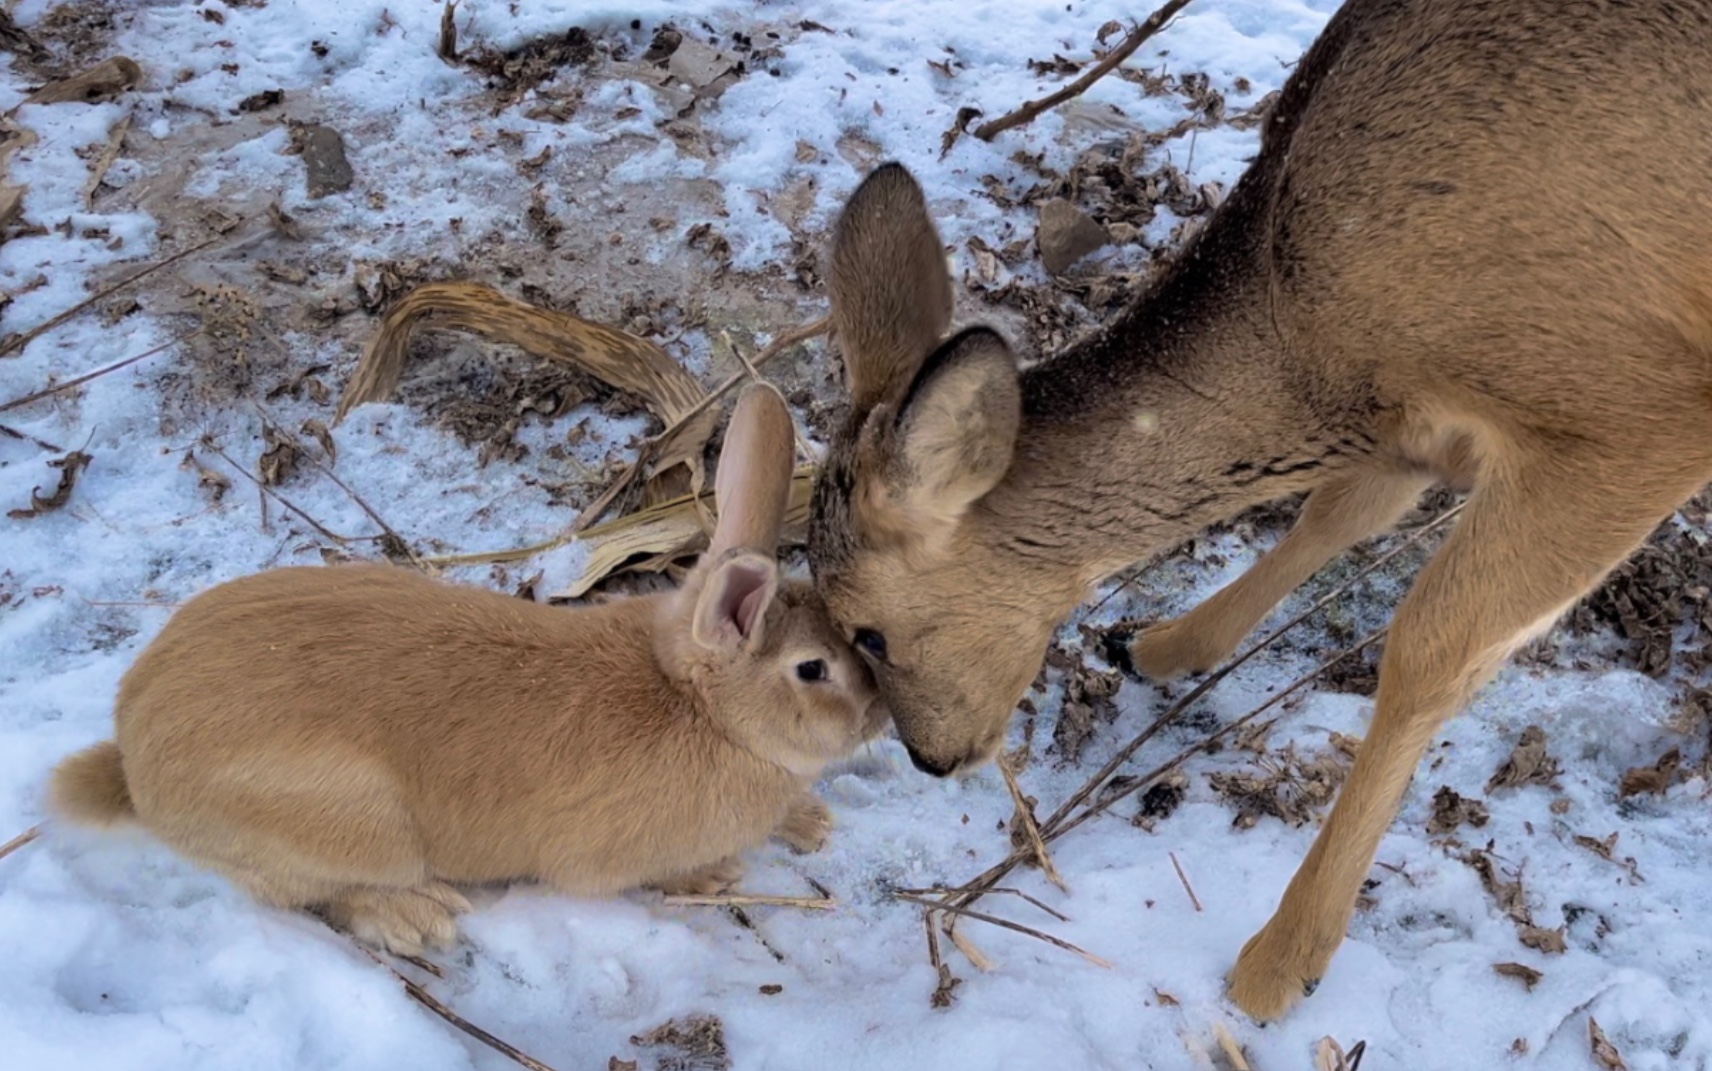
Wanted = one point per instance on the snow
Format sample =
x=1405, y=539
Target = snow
x=116, y=954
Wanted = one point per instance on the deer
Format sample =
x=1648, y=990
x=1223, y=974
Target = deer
x=1457, y=259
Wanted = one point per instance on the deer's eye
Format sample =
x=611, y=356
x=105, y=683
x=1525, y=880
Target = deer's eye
x=871, y=643
x=812, y=670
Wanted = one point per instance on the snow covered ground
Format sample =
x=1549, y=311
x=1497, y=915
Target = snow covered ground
x=115, y=954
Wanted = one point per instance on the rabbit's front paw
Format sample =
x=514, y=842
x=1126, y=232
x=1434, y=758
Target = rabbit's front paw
x=806, y=826
x=708, y=881
x=403, y=921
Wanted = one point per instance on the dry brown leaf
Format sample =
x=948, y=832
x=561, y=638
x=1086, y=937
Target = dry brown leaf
x=1451, y=810
x=280, y=455
x=1542, y=940
x=1520, y=971
x=1602, y=1049
x=1652, y=779
x=70, y=467
x=1508, y=894
x=693, y=1043
x=1166, y=1000
x=318, y=431
x=218, y=483
x=1528, y=764
x=1607, y=850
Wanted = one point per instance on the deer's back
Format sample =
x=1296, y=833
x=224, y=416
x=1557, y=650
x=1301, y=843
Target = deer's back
x=1504, y=207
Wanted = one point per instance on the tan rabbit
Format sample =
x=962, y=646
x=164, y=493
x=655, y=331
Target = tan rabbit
x=360, y=739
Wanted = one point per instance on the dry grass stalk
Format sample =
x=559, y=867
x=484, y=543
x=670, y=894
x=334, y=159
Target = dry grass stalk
x=983, y=883
x=971, y=951
x=1184, y=878
x=1024, y=821
x=20, y=840
x=994, y=920
x=1003, y=890
x=944, y=993
x=1028, y=112
x=395, y=543
x=78, y=381
x=664, y=532
x=104, y=162
x=1329, y=1055
x=18, y=342
x=277, y=497
x=428, y=1000
x=811, y=903
x=1233, y=1052
x=790, y=338
x=583, y=525
x=447, y=47
x=1099, y=779
x=616, y=357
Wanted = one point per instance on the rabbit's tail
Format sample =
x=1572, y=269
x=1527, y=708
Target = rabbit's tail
x=89, y=788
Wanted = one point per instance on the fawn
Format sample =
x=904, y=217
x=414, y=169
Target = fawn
x=1475, y=248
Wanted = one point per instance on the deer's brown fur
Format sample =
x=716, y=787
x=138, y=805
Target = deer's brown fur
x=1475, y=248
x=362, y=739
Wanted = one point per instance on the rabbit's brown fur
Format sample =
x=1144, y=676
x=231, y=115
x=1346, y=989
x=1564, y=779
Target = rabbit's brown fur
x=361, y=738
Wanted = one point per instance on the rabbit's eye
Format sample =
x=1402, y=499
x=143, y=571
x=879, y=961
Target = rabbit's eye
x=871, y=643
x=812, y=670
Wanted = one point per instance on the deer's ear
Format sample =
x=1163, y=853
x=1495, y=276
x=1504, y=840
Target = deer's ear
x=953, y=440
x=889, y=284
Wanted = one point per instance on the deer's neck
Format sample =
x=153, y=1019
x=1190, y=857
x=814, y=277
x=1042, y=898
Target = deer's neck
x=1184, y=411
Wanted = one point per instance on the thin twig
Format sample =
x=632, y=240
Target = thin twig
x=427, y=1000
x=1184, y=878
x=1105, y=803
x=1030, y=828
x=18, y=342
x=980, y=885
x=22, y=436
x=281, y=499
x=1105, y=772
x=20, y=840
x=785, y=341
x=994, y=920
x=78, y=381
x=1027, y=113
x=397, y=540
x=815, y=903
x=425, y=965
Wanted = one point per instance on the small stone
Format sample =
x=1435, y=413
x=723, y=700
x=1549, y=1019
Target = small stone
x=1066, y=234
x=324, y=157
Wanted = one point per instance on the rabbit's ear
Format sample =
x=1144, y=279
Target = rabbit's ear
x=731, y=610
x=753, y=483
